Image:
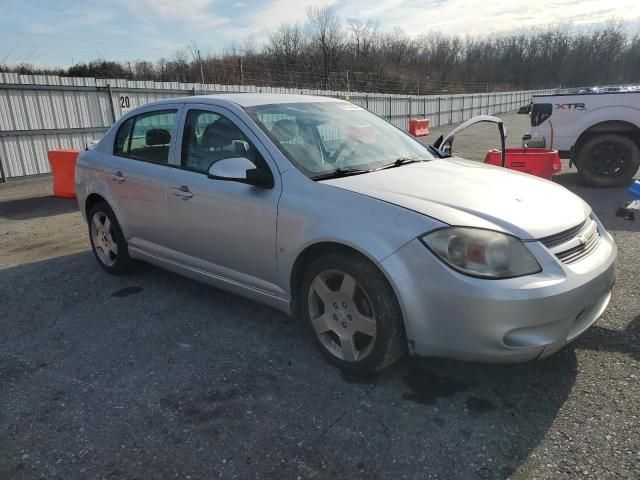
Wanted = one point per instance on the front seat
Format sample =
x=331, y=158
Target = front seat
x=300, y=144
x=214, y=145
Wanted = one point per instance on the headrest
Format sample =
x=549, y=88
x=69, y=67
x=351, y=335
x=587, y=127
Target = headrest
x=284, y=130
x=220, y=133
x=157, y=136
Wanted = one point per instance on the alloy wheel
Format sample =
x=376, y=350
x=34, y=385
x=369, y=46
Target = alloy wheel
x=342, y=315
x=104, y=244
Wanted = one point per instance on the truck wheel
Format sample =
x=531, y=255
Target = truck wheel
x=608, y=160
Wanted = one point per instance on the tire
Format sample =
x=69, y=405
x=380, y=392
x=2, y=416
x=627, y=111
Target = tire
x=608, y=160
x=353, y=313
x=107, y=241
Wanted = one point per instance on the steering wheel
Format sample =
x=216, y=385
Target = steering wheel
x=341, y=147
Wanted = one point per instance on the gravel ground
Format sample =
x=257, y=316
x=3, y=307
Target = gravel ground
x=153, y=376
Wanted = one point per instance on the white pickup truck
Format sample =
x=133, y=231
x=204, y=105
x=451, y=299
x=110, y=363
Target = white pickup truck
x=599, y=132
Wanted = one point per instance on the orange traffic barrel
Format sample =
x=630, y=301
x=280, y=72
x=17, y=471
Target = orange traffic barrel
x=419, y=127
x=63, y=166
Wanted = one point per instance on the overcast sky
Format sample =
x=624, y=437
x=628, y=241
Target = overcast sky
x=62, y=32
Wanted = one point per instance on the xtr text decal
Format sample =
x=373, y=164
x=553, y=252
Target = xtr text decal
x=571, y=106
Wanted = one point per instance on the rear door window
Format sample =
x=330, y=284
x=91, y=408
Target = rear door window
x=147, y=136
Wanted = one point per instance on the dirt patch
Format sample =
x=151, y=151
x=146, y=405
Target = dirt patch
x=35, y=226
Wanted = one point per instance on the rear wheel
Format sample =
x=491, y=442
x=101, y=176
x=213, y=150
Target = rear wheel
x=107, y=241
x=608, y=160
x=353, y=313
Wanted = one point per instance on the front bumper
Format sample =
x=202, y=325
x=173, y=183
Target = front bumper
x=451, y=315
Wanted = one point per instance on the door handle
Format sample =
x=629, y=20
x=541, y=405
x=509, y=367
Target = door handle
x=182, y=192
x=118, y=177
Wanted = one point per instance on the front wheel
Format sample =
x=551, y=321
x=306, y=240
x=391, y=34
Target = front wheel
x=353, y=313
x=608, y=160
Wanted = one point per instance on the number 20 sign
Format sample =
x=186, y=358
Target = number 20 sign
x=125, y=104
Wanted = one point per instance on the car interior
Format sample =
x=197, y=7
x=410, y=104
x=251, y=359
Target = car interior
x=155, y=147
x=146, y=136
x=299, y=141
x=218, y=140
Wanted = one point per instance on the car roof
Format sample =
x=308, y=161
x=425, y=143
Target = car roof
x=249, y=99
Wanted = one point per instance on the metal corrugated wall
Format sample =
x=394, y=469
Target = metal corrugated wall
x=39, y=113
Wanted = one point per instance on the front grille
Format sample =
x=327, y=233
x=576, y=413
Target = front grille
x=560, y=238
x=575, y=243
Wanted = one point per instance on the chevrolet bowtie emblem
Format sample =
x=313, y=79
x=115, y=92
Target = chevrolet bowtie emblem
x=583, y=239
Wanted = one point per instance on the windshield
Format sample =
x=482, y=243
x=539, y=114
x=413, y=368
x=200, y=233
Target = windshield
x=320, y=138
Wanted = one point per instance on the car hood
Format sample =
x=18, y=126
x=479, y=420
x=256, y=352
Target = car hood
x=462, y=192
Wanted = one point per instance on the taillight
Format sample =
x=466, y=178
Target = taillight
x=540, y=112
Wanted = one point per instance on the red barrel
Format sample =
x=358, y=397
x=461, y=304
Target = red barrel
x=535, y=161
x=63, y=166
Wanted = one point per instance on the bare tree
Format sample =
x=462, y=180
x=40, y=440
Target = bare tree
x=319, y=53
x=326, y=36
x=196, y=56
x=362, y=37
x=286, y=44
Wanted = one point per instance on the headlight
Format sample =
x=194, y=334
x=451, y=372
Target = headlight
x=482, y=253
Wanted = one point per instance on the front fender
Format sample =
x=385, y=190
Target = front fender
x=312, y=212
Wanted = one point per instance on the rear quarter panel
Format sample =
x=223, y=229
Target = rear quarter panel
x=93, y=176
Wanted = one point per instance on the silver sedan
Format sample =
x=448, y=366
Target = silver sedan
x=327, y=212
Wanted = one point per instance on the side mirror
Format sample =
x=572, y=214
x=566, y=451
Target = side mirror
x=242, y=170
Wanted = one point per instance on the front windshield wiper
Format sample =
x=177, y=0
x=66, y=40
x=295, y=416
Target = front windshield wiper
x=345, y=172
x=340, y=172
x=402, y=161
